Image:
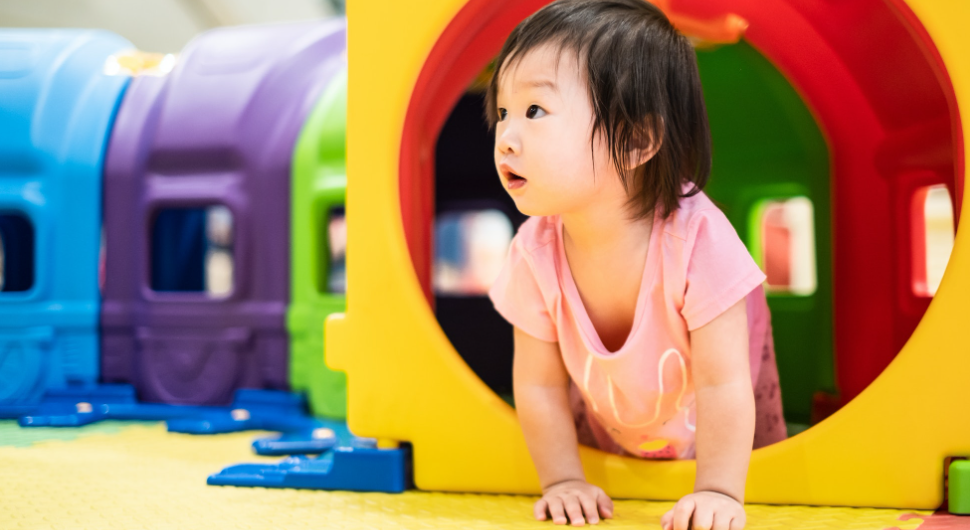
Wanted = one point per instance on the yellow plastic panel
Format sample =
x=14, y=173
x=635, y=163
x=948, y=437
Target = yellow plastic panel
x=406, y=382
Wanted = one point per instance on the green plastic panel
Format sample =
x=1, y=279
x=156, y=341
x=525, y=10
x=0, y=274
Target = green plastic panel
x=959, y=487
x=767, y=145
x=319, y=186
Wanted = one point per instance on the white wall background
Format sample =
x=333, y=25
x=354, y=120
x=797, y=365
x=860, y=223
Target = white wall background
x=158, y=25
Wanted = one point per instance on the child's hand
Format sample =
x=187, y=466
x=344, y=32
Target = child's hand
x=708, y=509
x=575, y=498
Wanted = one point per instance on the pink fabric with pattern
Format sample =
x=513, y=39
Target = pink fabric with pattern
x=639, y=400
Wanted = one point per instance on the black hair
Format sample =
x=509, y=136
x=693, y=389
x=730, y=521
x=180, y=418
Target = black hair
x=643, y=86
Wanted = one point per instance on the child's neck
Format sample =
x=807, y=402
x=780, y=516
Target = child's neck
x=605, y=229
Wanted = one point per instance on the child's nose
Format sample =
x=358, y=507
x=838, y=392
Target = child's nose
x=507, y=141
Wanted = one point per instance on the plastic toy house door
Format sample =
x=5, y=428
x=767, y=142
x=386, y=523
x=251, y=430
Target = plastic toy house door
x=319, y=191
x=412, y=60
x=57, y=107
x=200, y=165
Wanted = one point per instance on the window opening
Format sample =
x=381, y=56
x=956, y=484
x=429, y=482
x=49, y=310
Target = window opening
x=788, y=246
x=17, y=241
x=192, y=250
x=933, y=238
x=334, y=262
x=470, y=249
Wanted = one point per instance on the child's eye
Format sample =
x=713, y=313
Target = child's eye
x=502, y=113
x=535, y=111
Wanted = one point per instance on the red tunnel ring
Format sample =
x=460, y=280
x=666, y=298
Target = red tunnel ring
x=892, y=127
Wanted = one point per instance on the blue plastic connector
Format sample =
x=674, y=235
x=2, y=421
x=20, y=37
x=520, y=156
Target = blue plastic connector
x=343, y=468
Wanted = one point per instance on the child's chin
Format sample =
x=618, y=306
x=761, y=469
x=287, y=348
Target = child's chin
x=526, y=207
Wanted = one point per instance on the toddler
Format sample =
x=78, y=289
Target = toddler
x=641, y=326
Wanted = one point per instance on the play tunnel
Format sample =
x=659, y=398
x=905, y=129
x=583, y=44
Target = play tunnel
x=59, y=105
x=772, y=148
x=197, y=213
x=808, y=116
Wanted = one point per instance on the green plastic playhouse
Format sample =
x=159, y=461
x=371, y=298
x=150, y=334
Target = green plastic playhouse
x=318, y=193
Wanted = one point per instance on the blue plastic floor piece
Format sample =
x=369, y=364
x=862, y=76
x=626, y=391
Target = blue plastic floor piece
x=76, y=405
x=266, y=410
x=321, y=436
x=296, y=443
x=346, y=463
x=251, y=410
x=64, y=400
x=12, y=412
x=342, y=468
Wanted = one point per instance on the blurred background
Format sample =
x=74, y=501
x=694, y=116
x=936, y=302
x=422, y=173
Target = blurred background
x=166, y=26
x=159, y=25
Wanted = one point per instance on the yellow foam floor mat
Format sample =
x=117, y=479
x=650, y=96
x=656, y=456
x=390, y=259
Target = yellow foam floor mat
x=141, y=476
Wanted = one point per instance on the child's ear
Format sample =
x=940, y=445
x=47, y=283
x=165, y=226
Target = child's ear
x=646, y=143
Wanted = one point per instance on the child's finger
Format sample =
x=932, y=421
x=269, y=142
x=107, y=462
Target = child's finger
x=556, y=510
x=737, y=523
x=703, y=518
x=574, y=510
x=665, y=521
x=539, y=510
x=682, y=512
x=605, y=505
x=722, y=521
x=590, y=509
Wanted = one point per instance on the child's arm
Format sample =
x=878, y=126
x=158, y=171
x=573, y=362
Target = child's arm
x=725, y=424
x=541, y=386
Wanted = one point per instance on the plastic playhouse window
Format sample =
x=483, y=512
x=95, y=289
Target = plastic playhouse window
x=192, y=250
x=788, y=245
x=470, y=250
x=933, y=233
x=17, y=243
x=336, y=270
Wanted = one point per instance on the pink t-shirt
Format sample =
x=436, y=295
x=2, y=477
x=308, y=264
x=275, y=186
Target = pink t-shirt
x=641, y=397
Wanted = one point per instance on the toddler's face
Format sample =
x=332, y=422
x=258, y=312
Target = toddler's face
x=543, y=135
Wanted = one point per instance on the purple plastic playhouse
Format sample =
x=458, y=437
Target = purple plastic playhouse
x=197, y=215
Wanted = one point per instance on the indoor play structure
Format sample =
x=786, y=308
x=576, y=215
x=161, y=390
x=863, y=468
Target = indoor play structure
x=197, y=163
x=881, y=130
x=215, y=136
x=239, y=152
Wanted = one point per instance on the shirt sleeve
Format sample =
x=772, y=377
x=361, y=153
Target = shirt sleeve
x=720, y=271
x=517, y=297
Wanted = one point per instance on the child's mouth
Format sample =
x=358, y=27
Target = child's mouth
x=515, y=181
